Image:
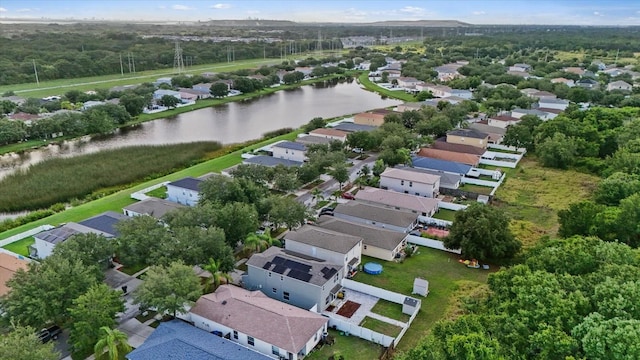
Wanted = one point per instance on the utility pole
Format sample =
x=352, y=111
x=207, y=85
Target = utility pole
x=35, y=70
x=617, y=53
x=133, y=61
x=121, y=68
x=129, y=61
x=319, y=46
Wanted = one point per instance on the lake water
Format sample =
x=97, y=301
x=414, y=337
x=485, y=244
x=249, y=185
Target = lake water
x=229, y=123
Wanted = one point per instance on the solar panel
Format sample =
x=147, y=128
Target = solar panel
x=278, y=260
x=324, y=270
x=330, y=273
x=267, y=265
x=280, y=269
x=300, y=275
x=305, y=277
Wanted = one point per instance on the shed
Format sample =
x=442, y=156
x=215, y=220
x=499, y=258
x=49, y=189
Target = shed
x=410, y=305
x=420, y=287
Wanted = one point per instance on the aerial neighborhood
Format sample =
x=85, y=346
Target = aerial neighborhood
x=481, y=208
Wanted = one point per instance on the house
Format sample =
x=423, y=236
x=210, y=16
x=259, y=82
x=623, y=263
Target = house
x=441, y=165
x=601, y=66
x=410, y=182
x=574, y=70
x=8, y=266
x=185, y=191
x=543, y=95
x=447, y=180
x=561, y=80
x=331, y=246
x=14, y=99
x=162, y=80
x=468, y=159
x=468, y=137
x=305, y=70
x=408, y=82
x=290, y=150
x=548, y=103
x=522, y=74
x=442, y=144
x=520, y=67
x=448, y=71
x=258, y=322
x=619, y=85
x=378, y=243
x=47, y=240
x=462, y=93
x=193, y=92
x=519, y=113
x=422, y=206
x=176, y=339
x=587, y=83
x=393, y=74
x=439, y=91
x=158, y=94
x=495, y=133
x=502, y=121
x=296, y=279
x=203, y=87
x=329, y=133
x=151, y=206
x=270, y=161
x=105, y=223
x=350, y=127
x=26, y=118
x=313, y=140
x=378, y=216
x=91, y=103
x=373, y=117
x=413, y=106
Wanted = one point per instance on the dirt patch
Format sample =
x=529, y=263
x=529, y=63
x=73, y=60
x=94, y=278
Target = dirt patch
x=348, y=309
x=330, y=308
x=437, y=232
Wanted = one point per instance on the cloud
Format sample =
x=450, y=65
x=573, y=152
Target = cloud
x=162, y=7
x=412, y=10
x=24, y=10
x=481, y=12
x=3, y=9
x=221, y=6
x=597, y=13
x=181, y=7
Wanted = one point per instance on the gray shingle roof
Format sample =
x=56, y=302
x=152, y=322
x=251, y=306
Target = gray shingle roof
x=324, y=239
x=399, y=200
x=270, y=161
x=187, y=183
x=470, y=133
x=401, y=218
x=442, y=144
x=373, y=236
x=105, y=222
x=154, y=207
x=440, y=165
x=291, y=145
x=177, y=340
x=351, y=127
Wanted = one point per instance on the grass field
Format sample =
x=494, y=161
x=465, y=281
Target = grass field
x=351, y=347
x=380, y=326
x=390, y=310
x=611, y=57
x=533, y=195
x=160, y=193
x=478, y=189
x=122, y=198
x=445, y=214
x=441, y=269
x=364, y=80
x=21, y=246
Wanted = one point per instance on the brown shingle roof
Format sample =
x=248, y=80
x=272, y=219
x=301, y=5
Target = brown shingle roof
x=465, y=149
x=468, y=159
x=324, y=239
x=398, y=200
x=253, y=313
x=373, y=236
x=380, y=214
x=328, y=132
x=8, y=266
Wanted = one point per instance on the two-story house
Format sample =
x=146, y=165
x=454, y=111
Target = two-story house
x=502, y=121
x=463, y=158
x=378, y=216
x=422, y=206
x=410, y=182
x=334, y=247
x=329, y=133
x=303, y=281
x=378, y=242
x=468, y=137
x=619, y=85
x=290, y=150
x=447, y=180
x=151, y=206
x=441, y=165
x=373, y=117
x=549, y=103
x=268, y=326
x=185, y=191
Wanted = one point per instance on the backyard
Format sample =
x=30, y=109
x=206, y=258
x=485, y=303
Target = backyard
x=380, y=326
x=445, y=214
x=390, y=310
x=351, y=347
x=21, y=246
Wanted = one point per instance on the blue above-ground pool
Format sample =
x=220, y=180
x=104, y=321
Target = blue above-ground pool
x=373, y=268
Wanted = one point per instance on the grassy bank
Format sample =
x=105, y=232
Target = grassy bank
x=120, y=199
x=60, y=180
x=401, y=95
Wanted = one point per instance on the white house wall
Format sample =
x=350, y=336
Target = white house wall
x=289, y=154
x=416, y=188
x=182, y=196
x=44, y=248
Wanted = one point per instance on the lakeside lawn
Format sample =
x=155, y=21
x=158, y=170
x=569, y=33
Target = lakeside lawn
x=351, y=347
x=120, y=199
x=441, y=269
x=160, y=193
x=364, y=80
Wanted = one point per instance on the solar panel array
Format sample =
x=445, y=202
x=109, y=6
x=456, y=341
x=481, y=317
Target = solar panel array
x=297, y=270
x=328, y=272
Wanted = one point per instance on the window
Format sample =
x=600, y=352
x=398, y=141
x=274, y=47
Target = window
x=401, y=182
x=251, y=341
x=275, y=350
x=274, y=290
x=406, y=192
x=410, y=183
x=365, y=247
x=281, y=278
x=286, y=295
x=269, y=273
x=235, y=334
x=418, y=194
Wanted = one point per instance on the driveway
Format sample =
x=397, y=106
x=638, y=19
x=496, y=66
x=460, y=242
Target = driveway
x=137, y=331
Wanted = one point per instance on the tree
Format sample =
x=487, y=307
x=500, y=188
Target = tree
x=223, y=190
x=112, y=344
x=285, y=181
x=169, y=101
x=11, y=131
x=98, y=122
x=134, y=104
x=424, y=95
x=260, y=242
x=616, y=187
x=519, y=136
x=90, y=249
x=378, y=168
x=7, y=107
x=244, y=85
x=236, y=220
x=411, y=118
x=195, y=245
x=256, y=173
x=45, y=292
x=73, y=96
x=482, y=232
x=219, y=90
x=307, y=173
x=578, y=219
x=340, y=173
x=168, y=289
x=217, y=275
x=609, y=339
x=90, y=312
x=21, y=343
x=287, y=211
x=315, y=123
x=436, y=126
x=629, y=221
x=30, y=106
x=138, y=240
x=558, y=151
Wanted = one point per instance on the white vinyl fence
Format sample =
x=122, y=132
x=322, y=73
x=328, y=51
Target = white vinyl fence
x=14, y=238
x=431, y=243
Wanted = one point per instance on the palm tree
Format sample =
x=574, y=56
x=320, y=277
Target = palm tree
x=261, y=241
x=112, y=345
x=216, y=275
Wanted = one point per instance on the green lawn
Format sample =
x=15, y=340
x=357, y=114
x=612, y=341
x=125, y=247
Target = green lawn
x=441, y=269
x=160, y=192
x=21, y=246
x=364, y=80
x=130, y=270
x=445, y=214
x=478, y=189
x=390, y=310
x=122, y=198
x=351, y=347
x=380, y=326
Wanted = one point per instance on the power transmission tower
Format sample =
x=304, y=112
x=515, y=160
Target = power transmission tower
x=178, y=61
x=121, y=68
x=35, y=70
x=319, y=46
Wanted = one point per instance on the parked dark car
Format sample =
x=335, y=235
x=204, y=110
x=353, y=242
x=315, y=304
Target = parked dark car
x=51, y=333
x=348, y=195
x=326, y=211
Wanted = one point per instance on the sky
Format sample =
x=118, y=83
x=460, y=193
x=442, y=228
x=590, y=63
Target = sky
x=547, y=12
